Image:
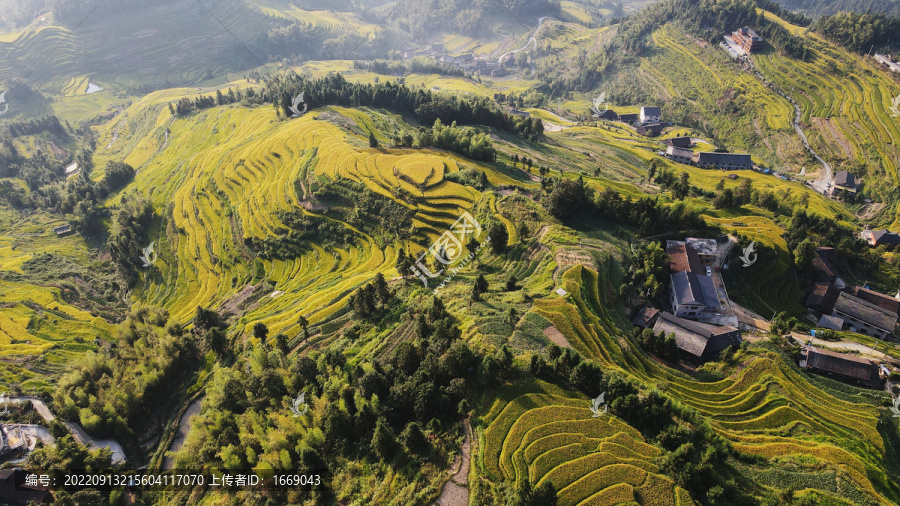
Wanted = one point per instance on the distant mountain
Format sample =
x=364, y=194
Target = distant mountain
x=817, y=8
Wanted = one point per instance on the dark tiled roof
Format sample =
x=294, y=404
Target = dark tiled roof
x=885, y=237
x=680, y=142
x=844, y=178
x=654, y=128
x=693, y=290
x=705, y=157
x=696, y=338
x=879, y=299
x=865, y=311
x=823, y=269
x=628, y=118
x=826, y=252
x=650, y=111
x=822, y=296
x=609, y=114
x=646, y=317
x=841, y=363
x=831, y=322
x=673, y=151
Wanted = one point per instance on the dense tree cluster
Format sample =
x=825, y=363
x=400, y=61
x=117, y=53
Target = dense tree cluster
x=564, y=198
x=465, y=141
x=396, y=411
x=49, y=124
x=859, y=31
x=417, y=65
x=302, y=230
x=185, y=106
x=647, y=272
x=647, y=214
x=117, y=392
x=662, y=345
x=828, y=7
x=126, y=242
x=426, y=107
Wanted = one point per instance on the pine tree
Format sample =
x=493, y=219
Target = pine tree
x=383, y=443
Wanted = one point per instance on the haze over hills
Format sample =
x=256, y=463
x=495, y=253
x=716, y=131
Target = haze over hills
x=453, y=253
x=829, y=7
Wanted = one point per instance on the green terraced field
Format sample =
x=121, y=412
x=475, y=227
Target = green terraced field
x=540, y=432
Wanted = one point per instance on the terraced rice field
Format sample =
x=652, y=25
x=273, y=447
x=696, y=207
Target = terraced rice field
x=768, y=408
x=224, y=176
x=542, y=433
x=772, y=287
x=38, y=327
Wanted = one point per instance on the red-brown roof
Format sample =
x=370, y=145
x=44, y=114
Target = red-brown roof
x=879, y=299
x=684, y=257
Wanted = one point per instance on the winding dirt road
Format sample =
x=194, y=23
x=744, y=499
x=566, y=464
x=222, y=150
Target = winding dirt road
x=82, y=437
x=531, y=40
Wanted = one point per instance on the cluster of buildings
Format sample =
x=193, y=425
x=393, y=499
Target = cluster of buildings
x=678, y=149
x=693, y=297
x=854, y=308
x=648, y=122
x=465, y=61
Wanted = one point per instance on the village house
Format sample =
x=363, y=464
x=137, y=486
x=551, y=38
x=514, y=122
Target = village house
x=842, y=366
x=822, y=297
x=693, y=296
x=680, y=155
x=706, y=249
x=692, y=254
x=609, y=115
x=652, y=129
x=749, y=40
x=831, y=322
x=844, y=181
x=885, y=302
x=630, y=119
x=680, y=142
x=864, y=317
x=63, y=229
x=724, y=161
x=646, y=317
x=697, y=341
x=876, y=238
x=650, y=115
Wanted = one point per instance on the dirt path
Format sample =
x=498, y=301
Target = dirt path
x=184, y=427
x=842, y=345
x=825, y=175
x=456, y=490
x=82, y=437
x=531, y=40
